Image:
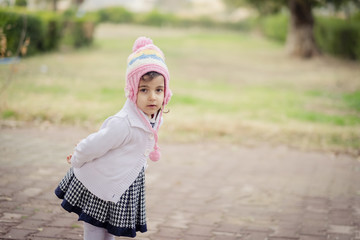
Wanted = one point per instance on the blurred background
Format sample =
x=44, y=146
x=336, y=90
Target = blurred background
x=242, y=71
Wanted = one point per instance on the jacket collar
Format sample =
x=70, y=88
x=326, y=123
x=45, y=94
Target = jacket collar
x=133, y=115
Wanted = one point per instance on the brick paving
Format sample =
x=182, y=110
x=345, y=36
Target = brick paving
x=198, y=191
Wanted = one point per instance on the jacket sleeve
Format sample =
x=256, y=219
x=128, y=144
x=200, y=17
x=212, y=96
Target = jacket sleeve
x=112, y=135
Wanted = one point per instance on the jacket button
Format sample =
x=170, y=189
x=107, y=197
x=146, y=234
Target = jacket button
x=151, y=136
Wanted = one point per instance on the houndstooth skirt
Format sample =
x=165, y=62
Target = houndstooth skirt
x=123, y=218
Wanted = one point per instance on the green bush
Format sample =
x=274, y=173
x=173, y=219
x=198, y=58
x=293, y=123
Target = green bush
x=243, y=25
x=35, y=34
x=115, y=15
x=206, y=22
x=78, y=28
x=356, y=16
x=78, y=32
x=21, y=3
x=275, y=26
x=159, y=19
x=11, y=28
x=51, y=28
x=14, y=24
x=338, y=37
x=44, y=31
x=156, y=18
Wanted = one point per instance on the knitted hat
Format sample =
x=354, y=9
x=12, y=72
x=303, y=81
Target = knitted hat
x=146, y=57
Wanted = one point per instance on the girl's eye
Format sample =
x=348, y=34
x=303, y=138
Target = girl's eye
x=159, y=90
x=144, y=90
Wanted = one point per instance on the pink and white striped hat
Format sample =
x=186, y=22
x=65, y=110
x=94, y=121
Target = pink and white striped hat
x=146, y=57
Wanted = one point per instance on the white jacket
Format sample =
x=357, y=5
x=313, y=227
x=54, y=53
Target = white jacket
x=108, y=162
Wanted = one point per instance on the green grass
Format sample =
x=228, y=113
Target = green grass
x=75, y=226
x=8, y=114
x=227, y=86
x=274, y=104
x=352, y=100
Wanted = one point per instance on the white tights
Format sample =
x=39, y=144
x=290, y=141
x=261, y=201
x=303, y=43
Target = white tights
x=96, y=233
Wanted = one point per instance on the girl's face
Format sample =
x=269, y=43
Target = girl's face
x=150, y=96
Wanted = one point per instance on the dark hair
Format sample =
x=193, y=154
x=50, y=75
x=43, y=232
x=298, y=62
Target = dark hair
x=150, y=76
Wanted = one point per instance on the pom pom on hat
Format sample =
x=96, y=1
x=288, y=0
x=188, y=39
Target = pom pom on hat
x=141, y=42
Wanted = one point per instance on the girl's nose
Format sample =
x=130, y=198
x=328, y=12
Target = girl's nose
x=152, y=95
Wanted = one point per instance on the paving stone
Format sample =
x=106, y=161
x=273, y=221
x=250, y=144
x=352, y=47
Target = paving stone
x=283, y=238
x=60, y=222
x=307, y=237
x=209, y=218
x=4, y=228
x=10, y=216
x=176, y=224
x=289, y=225
x=194, y=237
x=31, y=192
x=10, y=205
x=336, y=236
x=316, y=216
x=289, y=217
x=31, y=224
x=18, y=234
x=229, y=228
x=224, y=234
x=49, y=232
x=200, y=230
x=225, y=238
x=170, y=232
x=287, y=232
x=346, y=220
x=253, y=236
x=73, y=233
x=254, y=228
x=48, y=216
x=348, y=230
x=313, y=231
x=159, y=237
x=320, y=223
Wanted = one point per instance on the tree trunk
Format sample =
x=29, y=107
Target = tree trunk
x=54, y=5
x=77, y=3
x=300, y=39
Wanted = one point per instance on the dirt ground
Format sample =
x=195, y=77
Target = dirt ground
x=196, y=191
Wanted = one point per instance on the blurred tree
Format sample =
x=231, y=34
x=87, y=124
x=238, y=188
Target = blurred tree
x=21, y=3
x=170, y=5
x=77, y=3
x=5, y=3
x=300, y=39
x=54, y=5
x=74, y=3
x=263, y=7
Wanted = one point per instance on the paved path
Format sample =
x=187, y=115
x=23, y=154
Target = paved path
x=197, y=191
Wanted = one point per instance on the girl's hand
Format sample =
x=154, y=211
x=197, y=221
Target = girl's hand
x=68, y=159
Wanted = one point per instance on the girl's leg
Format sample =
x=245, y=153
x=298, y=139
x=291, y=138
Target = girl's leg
x=94, y=233
x=108, y=236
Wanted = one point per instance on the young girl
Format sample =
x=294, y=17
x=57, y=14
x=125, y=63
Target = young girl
x=106, y=185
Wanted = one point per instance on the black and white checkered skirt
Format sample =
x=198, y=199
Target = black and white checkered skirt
x=123, y=218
